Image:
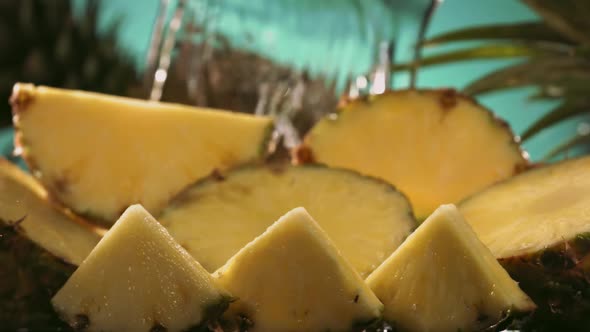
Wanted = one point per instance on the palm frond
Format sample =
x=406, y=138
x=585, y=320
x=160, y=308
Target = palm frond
x=567, y=110
x=569, y=17
x=526, y=31
x=494, y=51
x=568, y=145
x=542, y=71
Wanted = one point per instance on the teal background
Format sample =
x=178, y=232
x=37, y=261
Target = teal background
x=330, y=32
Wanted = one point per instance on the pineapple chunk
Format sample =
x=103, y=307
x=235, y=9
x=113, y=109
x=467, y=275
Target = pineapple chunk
x=292, y=278
x=139, y=279
x=538, y=227
x=99, y=154
x=46, y=225
x=367, y=219
x=442, y=278
x=437, y=147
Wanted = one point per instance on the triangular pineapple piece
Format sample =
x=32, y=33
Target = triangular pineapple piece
x=292, y=278
x=23, y=199
x=442, y=278
x=98, y=154
x=139, y=279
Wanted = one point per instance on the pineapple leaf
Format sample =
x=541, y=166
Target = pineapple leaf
x=569, y=17
x=566, y=110
x=553, y=71
x=576, y=141
x=526, y=31
x=494, y=51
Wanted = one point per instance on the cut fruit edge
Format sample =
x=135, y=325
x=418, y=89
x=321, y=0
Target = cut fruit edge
x=67, y=180
x=48, y=225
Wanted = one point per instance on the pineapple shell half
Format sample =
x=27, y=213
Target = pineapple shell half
x=436, y=146
x=538, y=225
x=98, y=154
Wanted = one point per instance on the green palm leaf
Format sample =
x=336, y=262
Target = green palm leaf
x=554, y=71
x=567, y=110
x=570, y=17
x=576, y=141
x=495, y=51
x=527, y=31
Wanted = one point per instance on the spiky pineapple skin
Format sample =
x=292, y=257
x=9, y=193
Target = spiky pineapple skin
x=558, y=280
x=30, y=277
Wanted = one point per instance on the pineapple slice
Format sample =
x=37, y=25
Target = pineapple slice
x=292, y=278
x=21, y=198
x=435, y=146
x=442, y=278
x=539, y=228
x=99, y=154
x=139, y=279
x=367, y=219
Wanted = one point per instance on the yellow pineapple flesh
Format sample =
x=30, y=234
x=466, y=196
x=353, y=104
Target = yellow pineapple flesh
x=442, y=278
x=139, y=279
x=293, y=278
x=99, y=154
x=533, y=211
x=53, y=229
x=437, y=147
x=366, y=218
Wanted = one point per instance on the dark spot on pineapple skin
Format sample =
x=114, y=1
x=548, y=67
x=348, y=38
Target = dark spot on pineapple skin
x=356, y=298
x=61, y=185
x=448, y=99
x=555, y=260
x=81, y=322
x=303, y=155
x=158, y=328
x=21, y=98
x=244, y=323
x=482, y=318
x=217, y=176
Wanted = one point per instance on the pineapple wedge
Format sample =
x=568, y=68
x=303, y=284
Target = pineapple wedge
x=99, y=154
x=436, y=146
x=51, y=228
x=442, y=278
x=139, y=279
x=538, y=226
x=366, y=218
x=292, y=278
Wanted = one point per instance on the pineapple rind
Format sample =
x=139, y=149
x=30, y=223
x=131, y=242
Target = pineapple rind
x=29, y=277
x=544, y=214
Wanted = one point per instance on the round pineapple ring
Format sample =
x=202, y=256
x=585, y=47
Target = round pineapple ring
x=436, y=146
x=213, y=219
